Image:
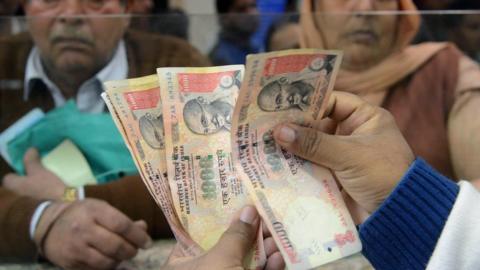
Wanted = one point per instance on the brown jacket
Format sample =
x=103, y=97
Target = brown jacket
x=145, y=52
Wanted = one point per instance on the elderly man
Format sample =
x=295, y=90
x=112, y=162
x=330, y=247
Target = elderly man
x=67, y=55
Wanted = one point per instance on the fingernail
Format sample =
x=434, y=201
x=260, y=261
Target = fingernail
x=248, y=215
x=148, y=245
x=287, y=134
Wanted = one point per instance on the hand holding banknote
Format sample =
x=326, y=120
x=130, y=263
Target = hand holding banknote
x=368, y=153
x=232, y=248
x=290, y=193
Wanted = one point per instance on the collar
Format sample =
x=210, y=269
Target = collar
x=116, y=69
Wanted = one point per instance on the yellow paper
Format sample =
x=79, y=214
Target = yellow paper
x=68, y=163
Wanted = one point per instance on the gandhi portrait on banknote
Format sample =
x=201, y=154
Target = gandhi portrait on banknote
x=151, y=128
x=205, y=118
x=281, y=94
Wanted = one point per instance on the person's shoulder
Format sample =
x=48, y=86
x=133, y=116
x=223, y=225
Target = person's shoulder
x=165, y=50
x=448, y=53
x=444, y=59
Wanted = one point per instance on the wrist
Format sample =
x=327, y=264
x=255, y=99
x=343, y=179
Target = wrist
x=37, y=215
x=70, y=194
x=57, y=192
x=46, y=222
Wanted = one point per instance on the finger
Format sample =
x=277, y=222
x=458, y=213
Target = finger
x=141, y=224
x=111, y=245
x=270, y=246
x=238, y=240
x=13, y=182
x=96, y=260
x=32, y=162
x=275, y=262
x=116, y=222
x=327, y=125
x=349, y=110
x=311, y=144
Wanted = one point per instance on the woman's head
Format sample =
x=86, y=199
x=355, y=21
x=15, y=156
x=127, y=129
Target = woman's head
x=349, y=25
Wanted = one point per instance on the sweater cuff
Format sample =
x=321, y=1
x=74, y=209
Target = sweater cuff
x=404, y=230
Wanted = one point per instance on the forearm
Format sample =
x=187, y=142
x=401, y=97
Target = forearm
x=404, y=231
x=130, y=196
x=15, y=216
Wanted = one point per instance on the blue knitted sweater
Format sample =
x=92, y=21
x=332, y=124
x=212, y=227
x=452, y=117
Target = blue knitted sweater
x=403, y=232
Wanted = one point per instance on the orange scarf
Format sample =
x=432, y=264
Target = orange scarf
x=372, y=84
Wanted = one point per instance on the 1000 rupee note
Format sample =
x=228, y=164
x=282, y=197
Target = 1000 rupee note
x=136, y=108
x=198, y=105
x=299, y=201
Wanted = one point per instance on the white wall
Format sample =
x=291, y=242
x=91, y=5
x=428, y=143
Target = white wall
x=199, y=6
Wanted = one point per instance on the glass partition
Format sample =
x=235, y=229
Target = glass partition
x=405, y=62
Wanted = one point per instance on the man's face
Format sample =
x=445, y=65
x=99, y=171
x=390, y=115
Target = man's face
x=242, y=17
x=72, y=35
x=207, y=118
x=467, y=35
x=245, y=6
x=279, y=96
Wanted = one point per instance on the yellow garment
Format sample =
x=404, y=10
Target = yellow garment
x=372, y=84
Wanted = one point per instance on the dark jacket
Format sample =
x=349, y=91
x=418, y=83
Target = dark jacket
x=145, y=52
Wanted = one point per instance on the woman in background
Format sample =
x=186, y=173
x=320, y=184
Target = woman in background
x=432, y=89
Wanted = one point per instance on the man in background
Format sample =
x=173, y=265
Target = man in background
x=238, y=22
x=464, y=29
x=71, y=48
x=156, y=16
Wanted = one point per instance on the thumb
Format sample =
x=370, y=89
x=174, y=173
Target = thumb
x=13, y=182
x=31, y=161
x=238, y=239
x=311, y=144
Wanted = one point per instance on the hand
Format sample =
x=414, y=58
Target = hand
x=38, y=183
x=368, y=154
x=231, y=249
x=89, y=234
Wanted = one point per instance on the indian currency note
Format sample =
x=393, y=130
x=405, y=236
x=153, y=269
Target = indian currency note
x=299, y=201
x=198, y=104
x=136, y=108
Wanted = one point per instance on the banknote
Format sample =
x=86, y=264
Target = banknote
x=198, y=105
x=136, y=108
x=299, y=201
